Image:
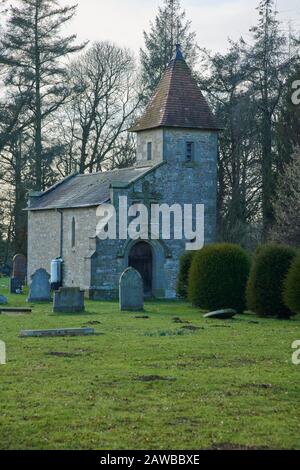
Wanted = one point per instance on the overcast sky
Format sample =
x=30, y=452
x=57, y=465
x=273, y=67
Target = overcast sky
x=123, y=21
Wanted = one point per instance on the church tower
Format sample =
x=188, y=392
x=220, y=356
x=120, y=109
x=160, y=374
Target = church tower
x=177, y=104
x=179, y=130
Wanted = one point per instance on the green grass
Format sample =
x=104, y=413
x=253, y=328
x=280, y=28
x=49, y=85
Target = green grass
x=225, y=385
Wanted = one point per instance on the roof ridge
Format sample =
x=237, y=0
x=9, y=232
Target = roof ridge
x=109, y=171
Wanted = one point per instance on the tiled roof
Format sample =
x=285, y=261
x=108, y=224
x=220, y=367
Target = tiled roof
x=177, y=102
x=85, y=190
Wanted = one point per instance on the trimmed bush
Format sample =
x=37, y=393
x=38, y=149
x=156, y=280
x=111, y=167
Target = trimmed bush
x=291, y=294
x=183, y=276
x=218, y=277
x=265, y=285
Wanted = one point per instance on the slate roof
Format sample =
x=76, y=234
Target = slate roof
x=177, y=102
x=85, y=190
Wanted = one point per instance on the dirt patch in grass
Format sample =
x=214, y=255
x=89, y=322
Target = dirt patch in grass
x=258, y=386
x=164, y=333
x=180, y=322
x=94, y=323
x=142, y=317
x=77, y=353
x=220, y=326
x=192, y=328
x=242, y=362
x=227, y=446
x=154, y=378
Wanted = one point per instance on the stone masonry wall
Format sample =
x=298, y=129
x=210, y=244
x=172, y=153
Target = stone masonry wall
x=44, y=228
x=156, y=137
x=43, y=240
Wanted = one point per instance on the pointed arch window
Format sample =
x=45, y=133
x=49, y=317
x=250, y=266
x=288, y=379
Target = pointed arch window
x=73, y=237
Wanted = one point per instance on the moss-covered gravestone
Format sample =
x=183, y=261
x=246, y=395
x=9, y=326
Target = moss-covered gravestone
x=40, y=290
x=68, y=300
x=131, y=291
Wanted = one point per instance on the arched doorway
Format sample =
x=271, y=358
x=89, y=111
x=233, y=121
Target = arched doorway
x=141, y=259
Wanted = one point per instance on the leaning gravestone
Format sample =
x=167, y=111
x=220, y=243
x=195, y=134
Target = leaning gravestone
x=19, y=268
x=131, y=291
x=68, y=300
x=40, y=287
x=226, y=314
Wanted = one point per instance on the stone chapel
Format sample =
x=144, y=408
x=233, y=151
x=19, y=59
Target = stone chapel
x=177, y=146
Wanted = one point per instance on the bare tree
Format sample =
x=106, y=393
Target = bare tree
x=105, y=99
x=286, y=205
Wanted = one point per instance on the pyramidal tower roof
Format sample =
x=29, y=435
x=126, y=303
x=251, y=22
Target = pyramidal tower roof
x=177, y=102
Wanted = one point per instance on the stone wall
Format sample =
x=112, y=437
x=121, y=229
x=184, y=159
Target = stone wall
x=44, y=243
x=156, y=137
x=43, y=240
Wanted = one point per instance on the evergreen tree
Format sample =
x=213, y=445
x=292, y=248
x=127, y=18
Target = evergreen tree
x=287, y=125
x=32, y=50
x=286, y=204
x=268, y=64
x=169, y=28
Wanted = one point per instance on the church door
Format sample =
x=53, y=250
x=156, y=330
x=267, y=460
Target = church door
x=140, y=258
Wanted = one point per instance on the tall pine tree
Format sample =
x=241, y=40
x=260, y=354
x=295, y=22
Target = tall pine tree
x=268, y=65
x=169, y=28
x=32, y=49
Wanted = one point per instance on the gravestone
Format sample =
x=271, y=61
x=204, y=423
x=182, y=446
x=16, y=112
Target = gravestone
x=19, y=268
x=3, y=300
x=69, y=300
x=15, y=285
x=226, y=314
x=40, y=287
x=131, y=290
x=2, y=353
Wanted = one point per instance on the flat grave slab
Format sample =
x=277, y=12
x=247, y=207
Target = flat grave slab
x=57, y=332
x=226, y=314
x=14, y=310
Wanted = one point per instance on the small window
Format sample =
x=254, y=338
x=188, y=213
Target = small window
x=149, y=151
x=73, y=232
x=190, y=151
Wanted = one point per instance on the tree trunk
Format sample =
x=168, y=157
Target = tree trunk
x=267, y=174
x=20, y=232
x=38, y=110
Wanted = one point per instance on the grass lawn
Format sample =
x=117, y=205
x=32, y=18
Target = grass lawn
x=148, y=383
